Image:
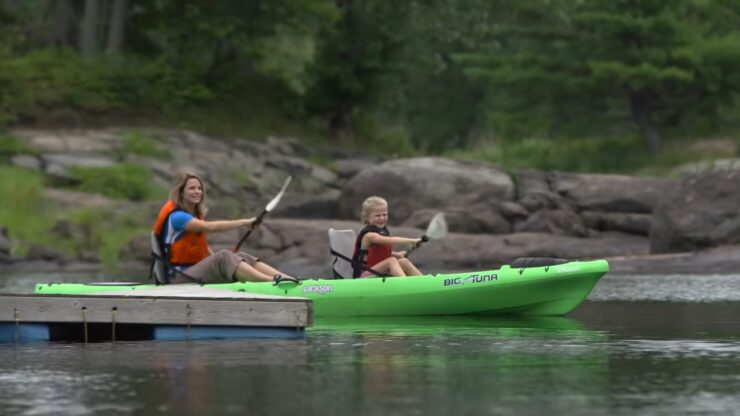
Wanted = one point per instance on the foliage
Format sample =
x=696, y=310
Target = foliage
x=11, y=146
x=135, y=142
x=124, y=181
x=435, y=75
x=107, y=233
x=22, y=212
x=603, y=155
x=650, y=63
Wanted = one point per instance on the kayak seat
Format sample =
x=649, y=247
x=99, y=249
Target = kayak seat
x=157, y=271
x=342, y=246
x=524, y=262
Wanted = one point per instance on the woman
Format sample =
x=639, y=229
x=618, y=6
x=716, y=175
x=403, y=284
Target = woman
x=181, y=229
x=374, y=245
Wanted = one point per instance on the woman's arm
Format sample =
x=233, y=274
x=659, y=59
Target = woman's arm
x=201, y=226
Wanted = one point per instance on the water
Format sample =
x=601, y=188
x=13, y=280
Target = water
x=640, y=345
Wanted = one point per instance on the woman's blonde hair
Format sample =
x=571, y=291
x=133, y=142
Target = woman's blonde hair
x=176, y=193
x=370, y=204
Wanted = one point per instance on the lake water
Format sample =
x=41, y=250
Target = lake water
x=640, y=345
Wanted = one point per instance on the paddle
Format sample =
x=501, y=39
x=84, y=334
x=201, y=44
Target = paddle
x=436, y=229
x=270, y=206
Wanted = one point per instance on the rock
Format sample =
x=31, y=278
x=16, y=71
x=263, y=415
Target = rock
x=347, y=168
x=555, y=221
x=614, y=193
x=5, y=246
x=531, y=181
x=724, y=259
x=702, y=212
x=37, y=252
x=473, y=220
x=309, y=206
x=618, y=221
x=26, y=161
x=698, y=167
x=435, y=183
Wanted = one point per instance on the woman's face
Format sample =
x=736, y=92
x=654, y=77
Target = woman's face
x=192, y=194
x=378, y=216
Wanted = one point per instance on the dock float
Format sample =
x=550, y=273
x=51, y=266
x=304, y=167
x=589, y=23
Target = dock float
x=177, y=312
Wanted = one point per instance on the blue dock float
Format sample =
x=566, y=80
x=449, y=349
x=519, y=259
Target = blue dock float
x=182, y=312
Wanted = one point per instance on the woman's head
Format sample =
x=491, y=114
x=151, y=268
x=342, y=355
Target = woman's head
x=188, y=190
x=375, y=211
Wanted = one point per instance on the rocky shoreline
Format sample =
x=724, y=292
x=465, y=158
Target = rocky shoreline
x=642, y=225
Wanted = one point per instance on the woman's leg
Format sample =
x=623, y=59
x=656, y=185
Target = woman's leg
x=408, y=268
x=248, y=273
x=389, y=265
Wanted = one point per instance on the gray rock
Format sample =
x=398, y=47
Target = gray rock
x=702, y=212
x=26, y=161
x=616, y=193
x=472, y=219
x=413, y=184
x=618, y=221
x=37, y=252
x=5, y=246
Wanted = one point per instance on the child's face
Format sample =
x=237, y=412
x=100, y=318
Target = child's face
x=378, y=216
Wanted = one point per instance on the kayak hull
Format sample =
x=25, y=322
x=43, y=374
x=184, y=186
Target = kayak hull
x=532, y=291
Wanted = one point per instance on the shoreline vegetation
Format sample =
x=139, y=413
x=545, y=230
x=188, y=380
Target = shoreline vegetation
x=83, y=200
x=96, y=95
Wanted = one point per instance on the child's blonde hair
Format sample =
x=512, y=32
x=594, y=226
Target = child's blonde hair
x=369, y=204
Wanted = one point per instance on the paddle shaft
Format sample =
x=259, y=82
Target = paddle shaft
x=423, y=240
x=256, y=223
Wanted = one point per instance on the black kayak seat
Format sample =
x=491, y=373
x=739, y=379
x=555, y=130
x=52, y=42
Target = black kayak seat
x=524, y=262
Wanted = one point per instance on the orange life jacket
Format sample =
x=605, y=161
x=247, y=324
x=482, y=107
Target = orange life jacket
x=190, y=249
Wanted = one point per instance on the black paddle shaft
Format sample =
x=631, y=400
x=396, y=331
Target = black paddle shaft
x=255, y=224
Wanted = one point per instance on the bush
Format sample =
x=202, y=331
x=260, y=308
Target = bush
x=124, y=181
x=21, y=210
x=10, y=146
x=136, y=143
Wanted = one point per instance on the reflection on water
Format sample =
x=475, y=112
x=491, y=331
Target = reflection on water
x=621, y=352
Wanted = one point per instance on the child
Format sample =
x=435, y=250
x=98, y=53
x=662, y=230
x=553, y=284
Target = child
x=373, y=247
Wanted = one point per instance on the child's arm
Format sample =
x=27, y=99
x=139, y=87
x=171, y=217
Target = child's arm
x=375, y=238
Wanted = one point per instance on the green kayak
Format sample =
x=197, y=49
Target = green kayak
x=511, y=290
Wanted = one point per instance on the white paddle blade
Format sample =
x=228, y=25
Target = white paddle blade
x=437, y=226
x=273, y=203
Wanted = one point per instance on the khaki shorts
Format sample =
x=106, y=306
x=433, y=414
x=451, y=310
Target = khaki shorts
x=218, y=267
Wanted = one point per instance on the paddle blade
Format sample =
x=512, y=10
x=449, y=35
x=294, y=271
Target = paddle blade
x=273, y=203
x=437, y=227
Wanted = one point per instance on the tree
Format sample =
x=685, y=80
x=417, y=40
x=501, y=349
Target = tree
x=357, y=57
x=117, y=26
x=89, y=30
x=651, y=60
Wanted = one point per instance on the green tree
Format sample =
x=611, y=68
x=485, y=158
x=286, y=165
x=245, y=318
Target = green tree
x=652, y=62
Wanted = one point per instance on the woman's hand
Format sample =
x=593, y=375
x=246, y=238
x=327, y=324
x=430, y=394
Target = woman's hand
x=249, y=222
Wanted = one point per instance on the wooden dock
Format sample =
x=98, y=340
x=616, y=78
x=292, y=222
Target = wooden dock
x=177, y=312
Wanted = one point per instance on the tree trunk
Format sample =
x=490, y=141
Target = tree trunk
x=340, y=127
x=642, y=115
x=89, y=32
x=117, y=28
x=62, y=31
